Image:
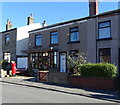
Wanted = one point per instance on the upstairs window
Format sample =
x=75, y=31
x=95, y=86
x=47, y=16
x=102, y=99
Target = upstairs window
x=7, y=39
x=74, y=34
x=38, y=40
x=104, y=30
x=54, y=37
x=105, y=55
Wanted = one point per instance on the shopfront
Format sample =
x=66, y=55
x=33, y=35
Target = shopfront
x=43, y=60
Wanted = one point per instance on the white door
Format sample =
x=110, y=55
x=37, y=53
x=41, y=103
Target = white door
x=22, y=62
x=62, y=62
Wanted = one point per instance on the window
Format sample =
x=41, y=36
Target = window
x=74, y=34
x=105, y=55
x=104, y=30
x=74, y=54
x=38, y=40
x=7, y=56
x=34, y=60
x=43, y=60
x=54, y=37
x=53, y=59
x=7, y=39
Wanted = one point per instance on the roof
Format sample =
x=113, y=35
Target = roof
x=80, y=19
x=18, y=27
x=8, y=30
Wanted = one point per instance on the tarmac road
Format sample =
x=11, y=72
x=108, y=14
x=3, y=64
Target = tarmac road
x=22, y=94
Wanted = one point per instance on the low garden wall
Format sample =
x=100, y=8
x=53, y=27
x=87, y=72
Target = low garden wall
x=100, y=76
x=58, y=78
x=98, y=83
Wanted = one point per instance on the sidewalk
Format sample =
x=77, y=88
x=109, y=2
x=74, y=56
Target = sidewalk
x=31, y=82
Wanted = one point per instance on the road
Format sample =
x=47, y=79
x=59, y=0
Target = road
x=22, y=94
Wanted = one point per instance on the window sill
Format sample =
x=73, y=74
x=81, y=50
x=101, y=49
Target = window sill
x=73, y=42
x=37, y=46
x=53, y=45
x=104, y=39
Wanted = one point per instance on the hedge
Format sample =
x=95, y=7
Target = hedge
x=99, y=70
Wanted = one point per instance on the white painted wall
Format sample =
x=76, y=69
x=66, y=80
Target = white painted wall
x=22, y=37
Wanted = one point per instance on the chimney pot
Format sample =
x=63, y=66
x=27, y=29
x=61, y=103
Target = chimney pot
x=44, y=23
x=31, y=15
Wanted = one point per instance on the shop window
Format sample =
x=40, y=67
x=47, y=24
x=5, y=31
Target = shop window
x=43, y=60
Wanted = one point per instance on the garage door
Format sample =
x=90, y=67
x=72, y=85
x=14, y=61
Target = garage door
x=22, y=62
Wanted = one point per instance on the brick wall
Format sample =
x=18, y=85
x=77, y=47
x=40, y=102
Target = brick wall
x=92, y=83
x=97, y=83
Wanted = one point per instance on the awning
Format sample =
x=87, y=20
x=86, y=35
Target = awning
x=38, y=50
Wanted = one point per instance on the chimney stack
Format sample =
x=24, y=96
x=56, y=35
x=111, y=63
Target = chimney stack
x=8, y=25
x=93, y=7
x=30, y=19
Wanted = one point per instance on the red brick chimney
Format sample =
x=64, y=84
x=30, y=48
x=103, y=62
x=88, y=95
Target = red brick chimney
x=93, y=7
x=8, y=25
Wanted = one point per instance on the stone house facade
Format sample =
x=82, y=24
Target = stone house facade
x=96, y=35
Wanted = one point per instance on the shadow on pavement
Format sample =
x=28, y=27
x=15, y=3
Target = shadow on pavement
x=101, y=94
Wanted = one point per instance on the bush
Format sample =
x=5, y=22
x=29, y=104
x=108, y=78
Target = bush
x=99, y=70
x=75, y=61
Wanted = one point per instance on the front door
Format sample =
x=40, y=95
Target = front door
x=62, y=62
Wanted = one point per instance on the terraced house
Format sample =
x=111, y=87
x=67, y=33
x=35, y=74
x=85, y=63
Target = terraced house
x=13, y=40
x=97, y=35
